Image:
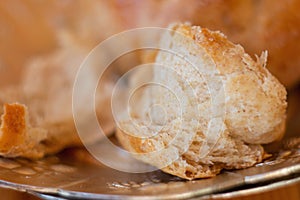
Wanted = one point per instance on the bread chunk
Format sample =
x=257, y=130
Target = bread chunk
x=18, y=138
x=42, y=123
x=223, y=135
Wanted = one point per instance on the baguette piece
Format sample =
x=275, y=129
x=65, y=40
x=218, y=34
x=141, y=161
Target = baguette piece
x=37, y=118
x=254, y=103
x=19, y=138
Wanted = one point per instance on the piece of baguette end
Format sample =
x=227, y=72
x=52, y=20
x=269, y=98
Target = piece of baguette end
x=19, y=139
x=255, y=107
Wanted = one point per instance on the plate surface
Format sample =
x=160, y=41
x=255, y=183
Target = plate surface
x=75, y=174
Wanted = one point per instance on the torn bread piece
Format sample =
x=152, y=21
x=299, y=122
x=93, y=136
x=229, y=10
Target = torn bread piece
x=254, y=104
x=19, y=138
x=42, y=122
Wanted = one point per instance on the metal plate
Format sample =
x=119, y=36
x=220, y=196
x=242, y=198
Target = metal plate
x=75, y=174
x=252, y=191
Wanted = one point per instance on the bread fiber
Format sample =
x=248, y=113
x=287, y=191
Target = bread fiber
x=254, y=107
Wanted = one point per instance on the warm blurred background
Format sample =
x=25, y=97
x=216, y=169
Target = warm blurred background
x=32, y=27
x=35, y=29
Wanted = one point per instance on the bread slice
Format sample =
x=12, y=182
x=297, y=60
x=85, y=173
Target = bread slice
x=224, y=108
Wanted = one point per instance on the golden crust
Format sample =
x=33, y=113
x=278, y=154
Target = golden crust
x=13, y=126
x=16, y=136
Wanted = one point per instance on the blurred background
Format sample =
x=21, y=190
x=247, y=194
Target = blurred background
x=60, y=31
x=34, y=28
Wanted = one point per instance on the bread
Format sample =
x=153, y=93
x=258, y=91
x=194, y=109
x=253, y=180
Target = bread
x=19, y=138
x=203, y=140
x=38, y=72
x=37, y=118
x=257, y=25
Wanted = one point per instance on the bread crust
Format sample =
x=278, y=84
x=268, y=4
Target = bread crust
x=255, y=107
x=17, y=137
x=13, y=127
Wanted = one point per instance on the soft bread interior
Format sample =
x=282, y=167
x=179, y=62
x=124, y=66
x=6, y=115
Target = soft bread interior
x=225, y=106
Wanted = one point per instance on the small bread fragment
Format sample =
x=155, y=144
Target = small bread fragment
x=19, y=138
x=16, y=135
x=254, y=104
